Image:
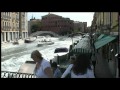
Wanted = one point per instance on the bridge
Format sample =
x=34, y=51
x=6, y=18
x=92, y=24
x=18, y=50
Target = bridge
x=41, y=33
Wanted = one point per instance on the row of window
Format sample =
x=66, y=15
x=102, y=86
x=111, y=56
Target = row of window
x=56, y=28
x=8, y=24
x=44, y=18
x=59, y=26
x=7, y=15
x=58, y=21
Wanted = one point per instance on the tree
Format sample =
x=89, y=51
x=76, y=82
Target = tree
x=36, y=26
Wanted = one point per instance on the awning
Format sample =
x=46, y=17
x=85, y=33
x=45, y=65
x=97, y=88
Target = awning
x=103, y=41
x=101, y=36
x=84, y=43
x=81, y=50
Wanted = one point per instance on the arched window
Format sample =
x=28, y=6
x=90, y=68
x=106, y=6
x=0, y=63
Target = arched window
x=9, y=25
x=5, y=24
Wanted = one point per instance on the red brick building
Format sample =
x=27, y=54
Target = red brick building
x=57, y=24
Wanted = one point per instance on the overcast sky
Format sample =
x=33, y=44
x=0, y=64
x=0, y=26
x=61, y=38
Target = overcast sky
x=76, y=16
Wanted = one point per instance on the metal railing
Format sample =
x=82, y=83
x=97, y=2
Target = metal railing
x=7, y=74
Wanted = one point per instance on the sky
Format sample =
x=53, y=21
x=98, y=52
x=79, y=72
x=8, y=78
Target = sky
x=76, y=16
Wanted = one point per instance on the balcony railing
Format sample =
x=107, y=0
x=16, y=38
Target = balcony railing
x=8, y=27
x=4, y=27
x=7, y=74
x=6, y=17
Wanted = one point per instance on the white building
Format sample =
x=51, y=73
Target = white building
x=10, y=26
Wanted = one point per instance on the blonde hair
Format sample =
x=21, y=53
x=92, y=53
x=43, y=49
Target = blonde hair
x=37, y=54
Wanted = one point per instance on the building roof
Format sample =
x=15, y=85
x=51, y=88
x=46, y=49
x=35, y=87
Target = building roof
x=51, y=15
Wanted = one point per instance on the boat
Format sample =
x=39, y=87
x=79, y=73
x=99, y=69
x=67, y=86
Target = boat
x=60, y=54
x=15, y=42
x=41, y=43
x=28, y=40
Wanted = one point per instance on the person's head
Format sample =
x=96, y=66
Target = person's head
x=81, y=64
x=36, y=56
x=54, y=65
x=72, y=59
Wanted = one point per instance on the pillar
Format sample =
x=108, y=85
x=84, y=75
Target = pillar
x=1, y=37
x=25, y=35
x=9, y=36
x=4, y=36
x=15, y=35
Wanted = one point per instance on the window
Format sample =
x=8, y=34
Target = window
x=3, y=24
x=13, y=25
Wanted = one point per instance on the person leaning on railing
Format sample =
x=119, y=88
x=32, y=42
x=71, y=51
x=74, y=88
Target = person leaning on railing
x=43, y=68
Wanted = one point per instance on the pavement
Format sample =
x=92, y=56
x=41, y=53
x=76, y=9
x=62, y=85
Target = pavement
x=102, y=69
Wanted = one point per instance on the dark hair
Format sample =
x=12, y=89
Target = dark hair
x=73, y=58
x=54, y=64
x=37, y=54
x=81, y=64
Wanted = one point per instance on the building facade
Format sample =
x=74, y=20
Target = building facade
x=77, y=26
x=57, y=24
x=12, y=26
x=105, y=22
x=80, y=26
x=93, y=24
x=85, y=27
x=88, y=30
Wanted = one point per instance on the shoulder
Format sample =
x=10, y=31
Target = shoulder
x=70, y=65
x=45, y=62
x=90, y=73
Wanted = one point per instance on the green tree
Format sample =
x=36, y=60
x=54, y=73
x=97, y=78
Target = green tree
x=36, y=26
